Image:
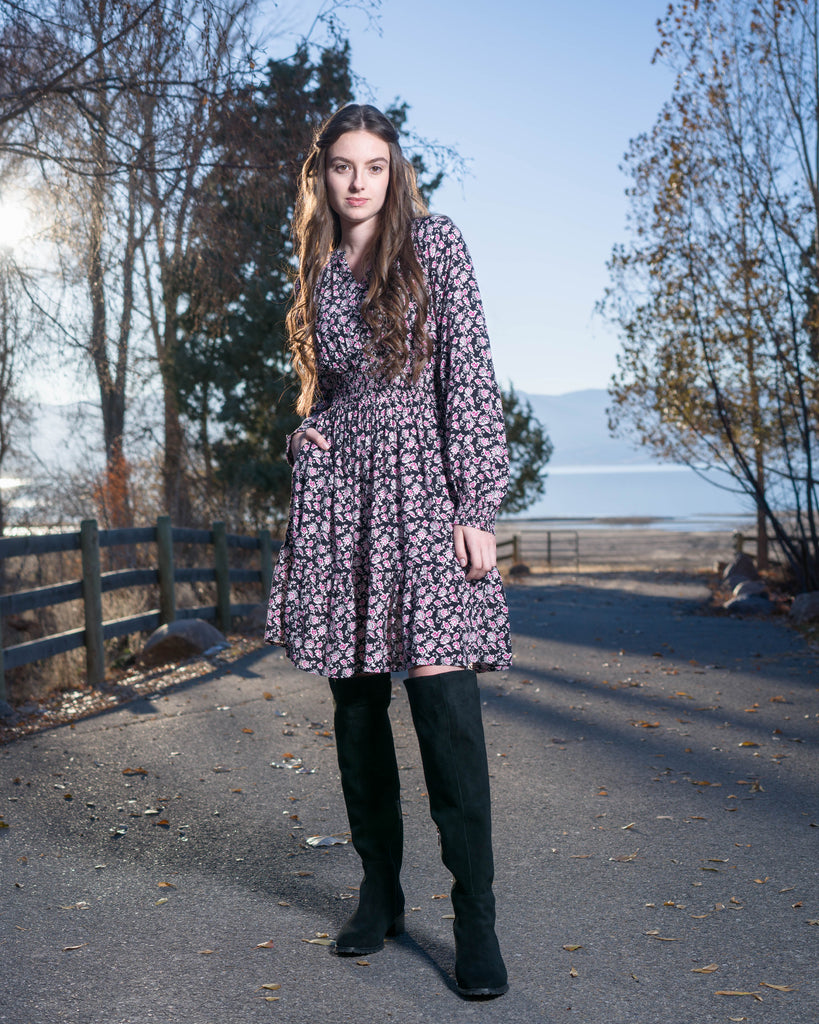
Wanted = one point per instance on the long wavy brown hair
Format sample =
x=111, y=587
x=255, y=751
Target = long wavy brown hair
x=396, y=277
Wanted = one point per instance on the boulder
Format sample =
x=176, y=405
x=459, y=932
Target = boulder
x=742, y=568
x=7, y=712
x=805, y=607
x=748, y=587
x=181, y=639
x=520, y=569
x=753, y=604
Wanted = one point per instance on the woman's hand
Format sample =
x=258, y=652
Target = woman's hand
x=475, y=548
x=312, y=435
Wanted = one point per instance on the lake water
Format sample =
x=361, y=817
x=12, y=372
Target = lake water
x=675, y=494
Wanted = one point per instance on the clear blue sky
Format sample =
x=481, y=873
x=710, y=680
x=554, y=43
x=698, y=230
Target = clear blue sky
x=542, y=97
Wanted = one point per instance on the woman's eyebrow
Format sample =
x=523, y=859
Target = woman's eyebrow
x=347, y=160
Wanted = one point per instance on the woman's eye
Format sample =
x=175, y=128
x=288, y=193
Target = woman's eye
x=340, y=167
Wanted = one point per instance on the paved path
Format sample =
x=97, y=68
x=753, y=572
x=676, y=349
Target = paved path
x=655, y=780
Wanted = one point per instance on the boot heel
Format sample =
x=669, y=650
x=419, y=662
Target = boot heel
x=397, y=927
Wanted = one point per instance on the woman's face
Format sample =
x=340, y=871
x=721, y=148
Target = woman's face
x=357, y=176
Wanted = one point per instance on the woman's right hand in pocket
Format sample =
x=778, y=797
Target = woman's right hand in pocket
x=311, y=436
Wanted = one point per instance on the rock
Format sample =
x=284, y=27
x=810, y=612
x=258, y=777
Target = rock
x=181, y=639
x=7, y=712
x=753, y=604
x=805, y=607
x=519, y=569
x=748, y=587
x=742, y=568
x=254, y=621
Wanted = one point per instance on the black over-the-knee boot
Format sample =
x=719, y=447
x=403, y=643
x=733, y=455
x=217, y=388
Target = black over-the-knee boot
x=446, y=711
x=369, y=781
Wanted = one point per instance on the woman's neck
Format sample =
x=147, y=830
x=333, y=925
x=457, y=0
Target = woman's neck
x=357, y=239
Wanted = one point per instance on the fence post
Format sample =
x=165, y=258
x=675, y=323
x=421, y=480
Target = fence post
x=515, y=549
x=164, y=554
x=92, y=600
x=266, y=556
x=222, y=570
x=549, y=547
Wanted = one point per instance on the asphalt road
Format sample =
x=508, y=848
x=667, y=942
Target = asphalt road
x=655, y=777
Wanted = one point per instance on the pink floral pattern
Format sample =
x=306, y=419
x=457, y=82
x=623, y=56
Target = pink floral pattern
x=367, y=579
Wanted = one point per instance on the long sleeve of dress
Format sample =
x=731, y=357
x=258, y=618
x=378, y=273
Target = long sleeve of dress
x=309, y=421
x=476, y=458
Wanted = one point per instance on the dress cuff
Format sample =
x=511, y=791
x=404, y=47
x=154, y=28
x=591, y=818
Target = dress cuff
x=288, y=451
x=480, y=519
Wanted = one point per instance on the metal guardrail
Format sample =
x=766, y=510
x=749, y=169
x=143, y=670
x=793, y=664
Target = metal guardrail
x=89, y=540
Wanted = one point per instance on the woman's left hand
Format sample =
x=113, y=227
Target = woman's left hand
x=475, y=548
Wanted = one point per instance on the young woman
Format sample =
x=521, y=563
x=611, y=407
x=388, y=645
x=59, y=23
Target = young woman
x=388, y=564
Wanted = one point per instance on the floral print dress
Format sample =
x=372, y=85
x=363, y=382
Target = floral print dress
x=367, y=579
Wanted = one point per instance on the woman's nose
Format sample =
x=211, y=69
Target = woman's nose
x=358, y=181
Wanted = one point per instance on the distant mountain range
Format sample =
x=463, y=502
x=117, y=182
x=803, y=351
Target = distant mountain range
x=578, y=427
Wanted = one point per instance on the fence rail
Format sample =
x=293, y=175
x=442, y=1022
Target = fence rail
x=93, y=583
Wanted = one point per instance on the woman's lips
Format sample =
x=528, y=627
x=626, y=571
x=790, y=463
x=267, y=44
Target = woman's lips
x=356, y=202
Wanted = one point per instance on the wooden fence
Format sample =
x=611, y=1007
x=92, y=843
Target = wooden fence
x=90, y=588
x=542, y=546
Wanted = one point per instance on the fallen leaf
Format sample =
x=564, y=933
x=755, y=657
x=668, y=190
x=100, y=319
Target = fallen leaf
x=441, y=897
x=762, y=881
x=573, y=973
x=272, y=988
x=272, y=999
x=68, y=949
x=708, y=969
x=160, y=902
x=363, y=963
x=267, y=696
x=776, y=988
x=324, y=840
x=249, y=731
x=134, y=771
x=646, y=725
x=319, y=942
x=733, y=992
x=571, y=948
x=748, y=743
x=165, y=885
x=205, y=952
x=265, y=945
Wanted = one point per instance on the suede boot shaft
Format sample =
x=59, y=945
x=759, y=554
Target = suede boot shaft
x=446, y=711
x=371, y=788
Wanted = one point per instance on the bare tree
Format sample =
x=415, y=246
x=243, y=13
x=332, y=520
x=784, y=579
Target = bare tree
x=716, y=292
x=16, y=327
